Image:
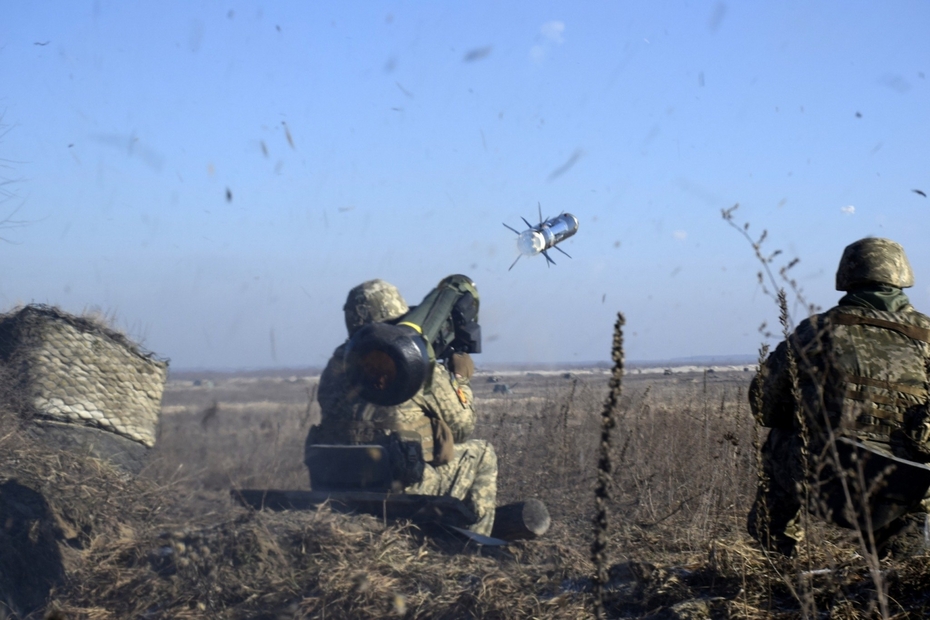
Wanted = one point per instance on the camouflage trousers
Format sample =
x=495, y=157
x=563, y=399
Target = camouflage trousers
x=775, y=518
x=471, y=477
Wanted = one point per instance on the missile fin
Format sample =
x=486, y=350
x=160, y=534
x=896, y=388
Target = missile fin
x=514, y=262
x=548, y=258
x=528, y=224
x=512, y=228
x=539, y=207
x=562, y=251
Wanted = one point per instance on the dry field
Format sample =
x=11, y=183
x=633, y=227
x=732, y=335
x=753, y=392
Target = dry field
x=170, y=544
x=249, y=432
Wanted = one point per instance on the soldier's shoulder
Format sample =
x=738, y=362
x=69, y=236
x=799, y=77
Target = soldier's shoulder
x=441, y=372
x=908, y=314
x=917, y=318
x=336, y=364
x=812, y=325
x=444, y=382
x=338, y=356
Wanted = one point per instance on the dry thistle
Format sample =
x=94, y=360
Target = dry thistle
x=605, y=469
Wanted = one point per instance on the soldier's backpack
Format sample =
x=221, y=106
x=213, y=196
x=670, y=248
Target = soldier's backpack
x=873, y=369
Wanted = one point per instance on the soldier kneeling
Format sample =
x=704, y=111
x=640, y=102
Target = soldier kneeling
x=858, y=432
x=437, y=420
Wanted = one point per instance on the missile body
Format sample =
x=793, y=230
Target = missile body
x=542, y=237
x=547, y=235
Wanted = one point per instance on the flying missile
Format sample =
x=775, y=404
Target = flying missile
x=546, y=235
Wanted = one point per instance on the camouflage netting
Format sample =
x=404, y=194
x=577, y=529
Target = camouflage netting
x=68, y=369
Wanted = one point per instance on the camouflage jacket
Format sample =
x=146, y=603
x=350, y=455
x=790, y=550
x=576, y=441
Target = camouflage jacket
x=861, y=367
x=345, y=417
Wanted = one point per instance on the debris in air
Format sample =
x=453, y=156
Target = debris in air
x=228, y=195
x=917, y=191
x=720, y=11
x=544, y=236
x=477, y=54
x=287, y=134
x=406, y=92
x=572, y=160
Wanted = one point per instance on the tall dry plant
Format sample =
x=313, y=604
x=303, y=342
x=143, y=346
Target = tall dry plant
x=605, y=469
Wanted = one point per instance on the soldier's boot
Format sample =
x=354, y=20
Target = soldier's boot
x=775, y=525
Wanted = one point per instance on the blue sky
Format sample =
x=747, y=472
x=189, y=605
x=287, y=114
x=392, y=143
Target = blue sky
x=416, y=128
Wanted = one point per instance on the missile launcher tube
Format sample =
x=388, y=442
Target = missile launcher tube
x=391, y=363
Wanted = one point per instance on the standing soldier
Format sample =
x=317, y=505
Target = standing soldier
x=439, y=418
x=861, y=375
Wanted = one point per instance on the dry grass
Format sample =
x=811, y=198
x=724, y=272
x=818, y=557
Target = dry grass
x=169, y=544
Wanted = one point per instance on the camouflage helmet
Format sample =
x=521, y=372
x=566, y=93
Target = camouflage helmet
x=873, y=261
x=374, y=301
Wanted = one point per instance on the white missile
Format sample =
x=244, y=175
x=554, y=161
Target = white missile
x=545, y=236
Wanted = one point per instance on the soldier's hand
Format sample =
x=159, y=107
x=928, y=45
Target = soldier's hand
x=462, y=365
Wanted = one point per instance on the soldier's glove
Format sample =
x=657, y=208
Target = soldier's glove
x=462, y=366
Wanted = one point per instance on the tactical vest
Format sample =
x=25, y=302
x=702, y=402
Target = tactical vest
x=346, y=418
x=874, y=369
x=372, y=423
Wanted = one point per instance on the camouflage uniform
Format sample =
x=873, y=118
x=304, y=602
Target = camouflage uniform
x=861, y=368
x=470, y=475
